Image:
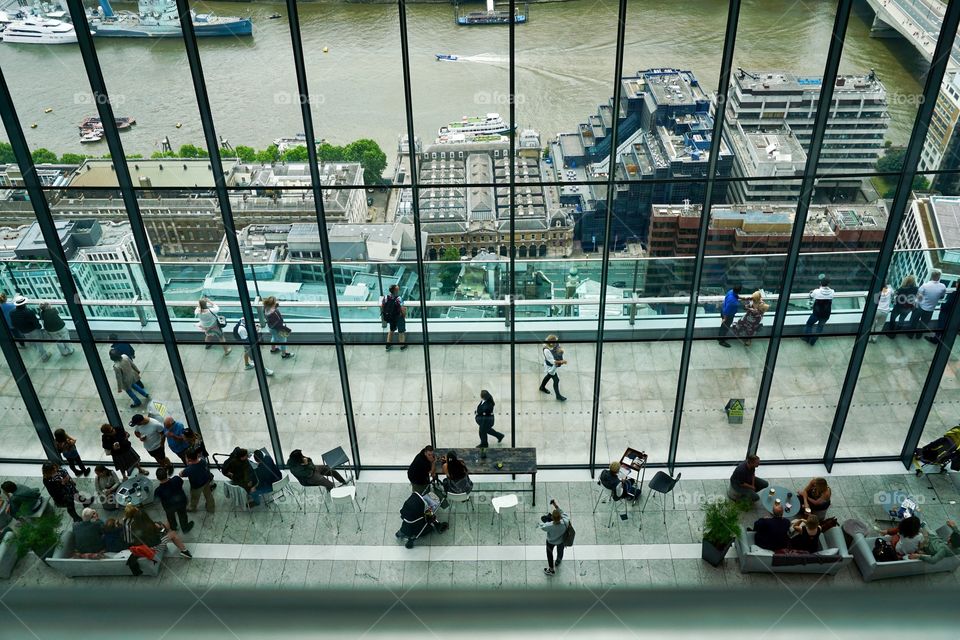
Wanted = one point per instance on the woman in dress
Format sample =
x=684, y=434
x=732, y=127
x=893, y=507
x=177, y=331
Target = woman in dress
x=209, y=323
x=752, y=319
x=116, y=442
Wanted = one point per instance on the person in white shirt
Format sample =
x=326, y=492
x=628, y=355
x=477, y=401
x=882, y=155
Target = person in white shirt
x=240, y=333
x=927, y=298
x=884, y=303
x=552, y=360
x=209, y=323
x=822, y=304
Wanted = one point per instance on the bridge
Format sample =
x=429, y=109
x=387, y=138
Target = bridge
x=916, y=20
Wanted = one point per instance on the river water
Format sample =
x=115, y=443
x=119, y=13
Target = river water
x=564, y=69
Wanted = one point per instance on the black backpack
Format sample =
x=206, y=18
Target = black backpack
x=391, y=308
x=236, y=330
x=883, y=552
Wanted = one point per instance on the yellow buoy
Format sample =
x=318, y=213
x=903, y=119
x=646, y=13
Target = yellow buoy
x=179, y=124
x=325, y=49
x=48, y=110
x=33, y=126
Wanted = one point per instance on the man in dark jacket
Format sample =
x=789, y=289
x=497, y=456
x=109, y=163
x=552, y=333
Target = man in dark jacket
x=56, y=328
x=24, y=320
x=20, y=496
x=311, y=475
x=123, y=348
x=173, y=499
x=773, y=532
x=88, y=533
x=421, y=471
x=731, y=304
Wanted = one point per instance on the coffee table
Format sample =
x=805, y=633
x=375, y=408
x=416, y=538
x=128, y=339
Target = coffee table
x=781, y=492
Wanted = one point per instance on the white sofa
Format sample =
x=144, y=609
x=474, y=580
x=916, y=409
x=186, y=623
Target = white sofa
x=870, y=569
x=8, y=555
x=63, y=561
x=755, y=559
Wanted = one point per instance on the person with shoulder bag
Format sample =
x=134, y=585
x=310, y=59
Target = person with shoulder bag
x=279, y=332
x=211, y=324
x=556, y=525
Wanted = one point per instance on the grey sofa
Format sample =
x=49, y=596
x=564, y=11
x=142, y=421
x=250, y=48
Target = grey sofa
x=63, y=561
x=8, y=555
x=753, y=559
x=870, y=569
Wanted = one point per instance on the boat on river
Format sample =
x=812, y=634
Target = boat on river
x=160, y=19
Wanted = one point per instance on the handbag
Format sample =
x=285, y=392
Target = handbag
x=569, y=535
x=221, y=321
x=883, y=552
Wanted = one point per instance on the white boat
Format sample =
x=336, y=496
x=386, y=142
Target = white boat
x=91, y=136
x=39, y=31
x=492, y=123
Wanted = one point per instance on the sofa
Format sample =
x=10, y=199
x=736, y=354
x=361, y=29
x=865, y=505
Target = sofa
x=8, y=555
x=827, y=561
x=115, y=564
x=870, y=569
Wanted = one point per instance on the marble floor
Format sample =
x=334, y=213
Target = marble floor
x=389, y=394
x=304, y=548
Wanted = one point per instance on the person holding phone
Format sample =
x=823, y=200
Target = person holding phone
x=555, y=525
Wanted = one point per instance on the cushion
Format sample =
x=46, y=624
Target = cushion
x=828, y=552
x=759, y=551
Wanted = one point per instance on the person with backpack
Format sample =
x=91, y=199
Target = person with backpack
x=279, y=332
x=822, y=304
x=209, y=323
x=555, y=525
x=394, y=314
x=240, y=335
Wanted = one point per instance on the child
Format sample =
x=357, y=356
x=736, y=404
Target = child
x=113, y=536
x=67, y=447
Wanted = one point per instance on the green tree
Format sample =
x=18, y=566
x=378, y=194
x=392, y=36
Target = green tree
x=369, y=154
x=6, y=153
x=920, y=183
x=449, y=273
x=44, y=156
x=192, y=151
x=892, y=160
x=246, y=154
x=268, y=155
x=163, y=154
x=296, y=154
x=73, y=158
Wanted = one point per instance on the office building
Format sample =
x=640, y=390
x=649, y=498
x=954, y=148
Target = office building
x=941, y=151
x=766, y=165
x=929, y=239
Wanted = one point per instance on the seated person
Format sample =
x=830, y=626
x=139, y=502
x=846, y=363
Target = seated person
x=905, y=538
x=241, y=473
x=20, y=499
x=772, y=532
x=418, y=518
x=933, y=549
x=139, y=528
x=807, y=534
x=610, y=479
x=744, y=481
x=816, y=497
x=88, y=536
x=457, y=478
x=311, y=475
x=113, y=540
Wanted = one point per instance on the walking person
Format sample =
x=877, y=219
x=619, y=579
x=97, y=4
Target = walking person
x=128, y=378
x=241, y=335
x=7, y=308
x=123, y=348
x=552, y=360
x=279, y=332
x=55, y=328
x=928, y=296
x=820, y=313
x=555, y=526
x=884, y=306
x=116, y=442
x=150, y=432
x=24, y=320
x=904, y=299
x=67, y=447
x=747, y=326
x=198, y=473
x=209, y=322
x=731, y=304
x=484, y=419
x=173, y=499
x=394, y=314
x=63, y=490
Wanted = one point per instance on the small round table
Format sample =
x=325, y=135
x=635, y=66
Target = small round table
x=781, y=492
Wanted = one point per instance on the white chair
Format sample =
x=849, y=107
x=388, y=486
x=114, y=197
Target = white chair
x=302, y=500
x=236, y=496
x=276, y=494
x=500, y=504
x=346, y=494
x=460, y=497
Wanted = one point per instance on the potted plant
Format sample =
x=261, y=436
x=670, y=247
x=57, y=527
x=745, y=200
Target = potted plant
x=40, y=535
x=721, y=526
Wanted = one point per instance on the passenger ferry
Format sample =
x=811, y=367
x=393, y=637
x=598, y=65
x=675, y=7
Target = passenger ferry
x=492, y=123
x=160, y=19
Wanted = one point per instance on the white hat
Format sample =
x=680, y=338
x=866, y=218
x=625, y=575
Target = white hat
x=20, y=301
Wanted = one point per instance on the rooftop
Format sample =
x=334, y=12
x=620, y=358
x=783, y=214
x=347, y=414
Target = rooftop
x=822, y=220
x=165, y=172
x=673, y=86
x=784, y=82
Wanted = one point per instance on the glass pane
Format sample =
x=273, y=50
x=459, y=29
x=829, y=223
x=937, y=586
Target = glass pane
x=17, y=431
